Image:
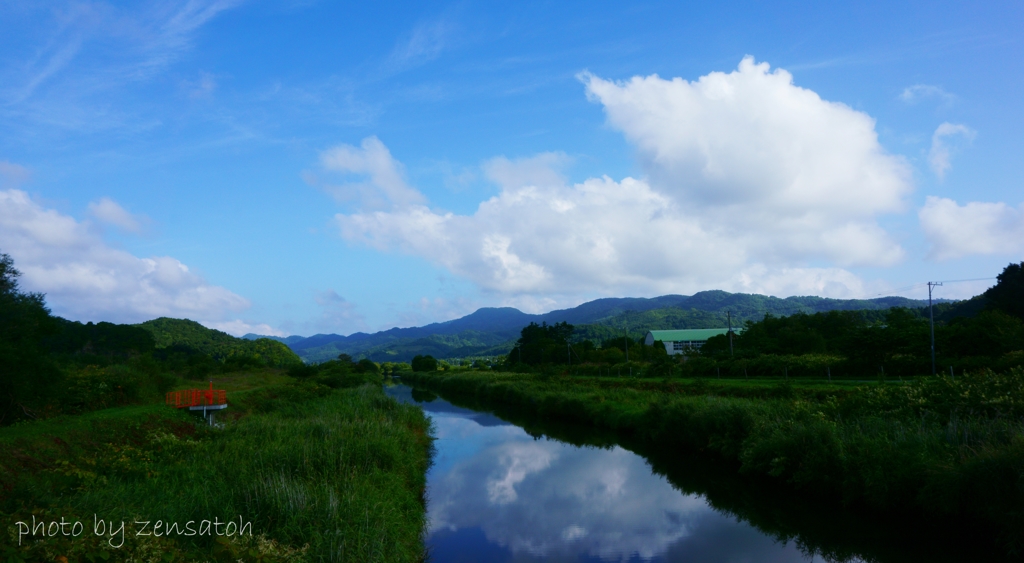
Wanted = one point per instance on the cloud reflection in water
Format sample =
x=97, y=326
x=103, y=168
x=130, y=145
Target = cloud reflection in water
x=497, y=494
x=545, y=497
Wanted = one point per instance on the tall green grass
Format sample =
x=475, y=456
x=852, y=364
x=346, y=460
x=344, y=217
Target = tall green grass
x=321, y=475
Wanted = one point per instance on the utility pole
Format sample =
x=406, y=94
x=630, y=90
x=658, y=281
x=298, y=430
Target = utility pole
x=931, y=320
x=729, y=313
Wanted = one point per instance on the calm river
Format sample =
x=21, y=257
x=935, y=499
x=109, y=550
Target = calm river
x=496, y=493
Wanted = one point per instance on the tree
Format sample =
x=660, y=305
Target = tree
x=1008, y=293
x=366, y=365
x=620, y=342
x=543, y=343
x=28, y=376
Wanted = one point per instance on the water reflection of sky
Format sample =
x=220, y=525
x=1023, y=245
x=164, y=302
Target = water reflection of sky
x=497, y=494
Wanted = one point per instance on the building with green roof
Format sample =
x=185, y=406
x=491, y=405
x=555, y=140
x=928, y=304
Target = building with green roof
x=678, y=341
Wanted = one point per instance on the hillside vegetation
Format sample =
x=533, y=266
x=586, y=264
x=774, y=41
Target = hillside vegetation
x=218, y=345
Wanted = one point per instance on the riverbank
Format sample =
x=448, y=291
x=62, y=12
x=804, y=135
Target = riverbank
x=934, y=449
x=300, y=472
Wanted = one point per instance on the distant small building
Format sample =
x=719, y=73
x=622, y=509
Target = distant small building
x=678, y=341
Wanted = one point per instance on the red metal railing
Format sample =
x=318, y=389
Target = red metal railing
x=196, y=397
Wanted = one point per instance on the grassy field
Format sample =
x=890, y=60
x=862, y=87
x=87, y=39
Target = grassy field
x=303, y=473
x=942, y=449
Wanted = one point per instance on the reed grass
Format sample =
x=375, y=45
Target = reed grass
x=321, y=475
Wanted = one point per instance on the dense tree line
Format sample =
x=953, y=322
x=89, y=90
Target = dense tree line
x=560, y=344
x=339, y=373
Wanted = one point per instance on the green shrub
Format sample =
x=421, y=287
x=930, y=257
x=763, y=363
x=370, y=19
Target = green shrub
x=424, y=363
x=302, y=370
x=337, y=375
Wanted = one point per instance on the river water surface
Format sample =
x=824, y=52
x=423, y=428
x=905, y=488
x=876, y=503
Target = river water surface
x=496, y=493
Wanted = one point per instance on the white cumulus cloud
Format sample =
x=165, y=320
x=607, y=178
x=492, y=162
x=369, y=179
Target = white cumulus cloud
x=109, y=211
x=85, y=279
x=956, y=230
x=751, y=139
x=941, y=151
x=385, y=186
x=751, y=183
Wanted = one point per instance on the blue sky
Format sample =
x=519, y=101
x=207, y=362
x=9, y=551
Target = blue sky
x=304, y=167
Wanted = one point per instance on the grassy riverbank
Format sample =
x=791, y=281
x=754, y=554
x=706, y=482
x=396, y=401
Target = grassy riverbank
x=935, y=448
x=321, y=475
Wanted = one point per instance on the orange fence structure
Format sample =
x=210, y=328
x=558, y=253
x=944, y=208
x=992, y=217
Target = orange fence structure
x=208, y=401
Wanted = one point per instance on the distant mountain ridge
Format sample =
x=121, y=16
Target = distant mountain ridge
x=492, y=331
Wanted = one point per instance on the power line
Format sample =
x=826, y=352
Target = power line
x=892, y=291
x=923, y=284
x=970, y=280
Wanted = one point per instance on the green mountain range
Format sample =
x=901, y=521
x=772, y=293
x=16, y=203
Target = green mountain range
x=492, y=331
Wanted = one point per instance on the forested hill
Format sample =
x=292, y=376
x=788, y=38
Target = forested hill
x=491, y=331
x=221, y=346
